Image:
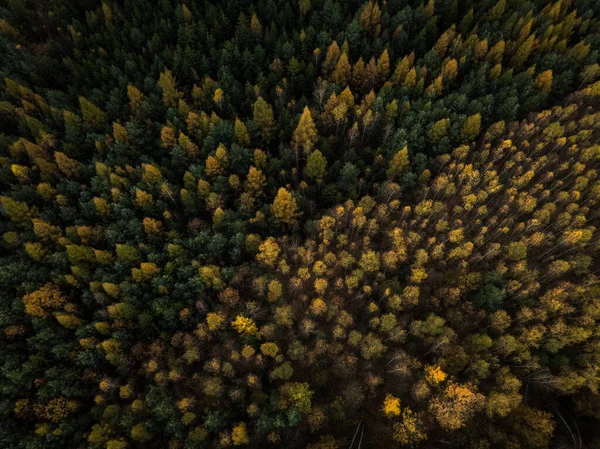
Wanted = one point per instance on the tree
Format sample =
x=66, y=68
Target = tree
x=68, y=166
x=543, y=81
x=305, y=135
x=245, y=326
x=342, y=72
x=331, y=57
x=135, y=97
x=410, y=430
x=316, y=165
x=456, y=406
x=255, y=26
x=255, y=181
x=268, y=252
x=410, y=81
x=398, y=163
x=369, y=19
x=168, y=85
x=241, y=133
x=92, y=113
x=496, y=11
x=300, y=394
x=239, y=434
x=383, y=66
x=284, y=207
x=523, y=52
x=438, y=130
x=44, y=300
x=391, y=406
x=471, y=128
x=263, y=116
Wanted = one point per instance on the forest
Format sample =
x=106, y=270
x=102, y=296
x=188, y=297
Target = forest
x=310, y=224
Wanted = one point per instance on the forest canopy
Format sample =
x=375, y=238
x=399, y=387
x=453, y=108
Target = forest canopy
x=313, y=224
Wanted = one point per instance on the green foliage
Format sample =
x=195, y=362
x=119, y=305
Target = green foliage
x=256, y=223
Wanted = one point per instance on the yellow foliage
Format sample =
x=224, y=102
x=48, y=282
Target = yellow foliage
x=434, y=375
x=39, y=302
x=391, y=406
x=152, y=226
x=268, y=252
x=214, y=320
x=408, y=431
x=245, y=326
x=284, y=207
x=269, y=349
x=239, y=436
x=318, y=306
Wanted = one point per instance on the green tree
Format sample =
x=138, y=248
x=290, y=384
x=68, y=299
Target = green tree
x=316, y=165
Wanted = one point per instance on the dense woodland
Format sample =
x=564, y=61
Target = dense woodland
x=313, y=224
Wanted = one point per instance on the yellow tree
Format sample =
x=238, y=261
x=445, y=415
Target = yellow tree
x=398, y=163
x=471, y=128
x=305, y=135
x=241, y=133
x=92, y=113
x=135, y=97
x=383, y=66
x=369, y=19
x=284, y=207
x=543, y=81
x=342, y=72
x=456, y=406
x=332, y=56
x=170, y=94
x=438, y=130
